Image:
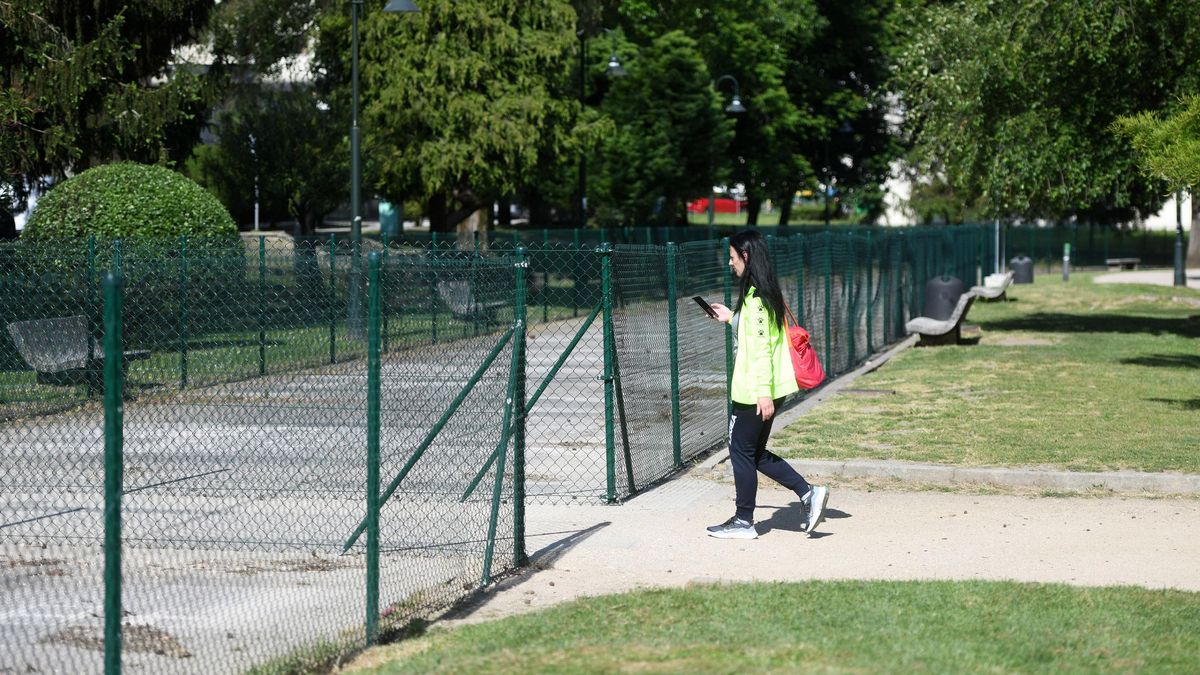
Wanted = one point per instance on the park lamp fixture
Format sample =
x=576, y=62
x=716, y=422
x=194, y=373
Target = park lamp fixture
x=614, y=68
x=400, y=6
x=735, y=105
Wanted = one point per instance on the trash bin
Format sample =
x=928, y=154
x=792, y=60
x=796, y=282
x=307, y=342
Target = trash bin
x=941, y=296
x=389, y=218
x=1022, y=269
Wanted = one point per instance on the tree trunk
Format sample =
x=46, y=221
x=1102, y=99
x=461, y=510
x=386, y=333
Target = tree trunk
x=1193, y=243
x=438, y=213
x=474, y=225
x=505, y=214
x=785, y=208
x=8, y=225
x=753, y=204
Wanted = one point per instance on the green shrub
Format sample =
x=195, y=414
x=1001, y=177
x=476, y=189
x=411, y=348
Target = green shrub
x=135, y=201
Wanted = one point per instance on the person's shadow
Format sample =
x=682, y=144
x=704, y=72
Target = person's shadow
x=790, y=518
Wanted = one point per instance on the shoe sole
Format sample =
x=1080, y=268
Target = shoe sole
x=820, y=513
x=735, y=535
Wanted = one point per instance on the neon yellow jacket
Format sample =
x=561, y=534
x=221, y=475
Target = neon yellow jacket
x=763, y=366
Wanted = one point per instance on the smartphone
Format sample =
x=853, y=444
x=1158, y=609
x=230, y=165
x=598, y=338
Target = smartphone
x=705, y=306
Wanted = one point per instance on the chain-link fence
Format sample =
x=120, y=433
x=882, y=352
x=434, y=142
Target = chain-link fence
x=266, y=453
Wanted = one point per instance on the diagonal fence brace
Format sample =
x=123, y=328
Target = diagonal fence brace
x=429, y=437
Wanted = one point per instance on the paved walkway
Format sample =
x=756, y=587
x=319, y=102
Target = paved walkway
x=1154, y=277
x=657, y=539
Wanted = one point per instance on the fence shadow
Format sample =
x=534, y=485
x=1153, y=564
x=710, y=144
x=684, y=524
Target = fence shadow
x=541, y=559
x=1099, y=323
x=1185, y=403
x=1165, y=361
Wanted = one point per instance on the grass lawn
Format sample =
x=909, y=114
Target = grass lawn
x=846, y=626
x=1075, y=375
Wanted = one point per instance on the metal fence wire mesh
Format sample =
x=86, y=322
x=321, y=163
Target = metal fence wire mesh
x=295, y=446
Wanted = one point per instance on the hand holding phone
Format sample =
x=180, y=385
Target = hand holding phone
x=705, y=306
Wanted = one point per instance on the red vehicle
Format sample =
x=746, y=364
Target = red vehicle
x=722, y=205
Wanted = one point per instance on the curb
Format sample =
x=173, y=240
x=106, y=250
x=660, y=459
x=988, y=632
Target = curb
x=1119, y=481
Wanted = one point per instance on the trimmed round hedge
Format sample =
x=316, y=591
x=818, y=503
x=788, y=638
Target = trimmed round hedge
x=125, y=200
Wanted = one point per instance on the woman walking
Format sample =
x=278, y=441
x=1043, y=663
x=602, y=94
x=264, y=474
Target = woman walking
x=762, y=376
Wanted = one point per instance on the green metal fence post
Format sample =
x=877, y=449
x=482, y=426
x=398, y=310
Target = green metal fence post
x=870, y=293
x=728, y=288
x=885, y=282
x=332, y=299
x=610, y=463
x=829, y=367
x=383, y=237
x=373, y=371
x=518, y=410
x=575, y=278
x=545, y=275
x=799, y=310
x=848, y=284
x=183, y=312
x=114, y=469
x=673, y=332
x=95, y=317
x=262, y=305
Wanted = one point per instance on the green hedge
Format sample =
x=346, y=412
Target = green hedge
x=124, y=200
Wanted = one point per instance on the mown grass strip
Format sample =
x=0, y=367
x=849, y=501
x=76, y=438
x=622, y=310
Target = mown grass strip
x=846, y=626
x=1075, y=375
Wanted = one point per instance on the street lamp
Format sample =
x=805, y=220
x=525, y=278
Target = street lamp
x=1180, y=275
x=394, y=6
x=735, y=107
x=843, y=129
x=612, y=70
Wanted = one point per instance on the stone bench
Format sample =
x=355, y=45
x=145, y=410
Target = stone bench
x=995, y=287
x=946, y=331
x=1122, y=263
x=57, y=349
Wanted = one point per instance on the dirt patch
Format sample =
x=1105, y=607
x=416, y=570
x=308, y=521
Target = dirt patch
x=141, y=639
x=48, y=567
x=275, y=566
x=1014, y=341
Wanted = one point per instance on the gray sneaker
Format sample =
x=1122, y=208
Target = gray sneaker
x=815, y=502
x=734, y=528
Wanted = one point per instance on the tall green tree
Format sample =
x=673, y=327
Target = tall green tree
x=669, y=134
x=1011, y=102
x=806, y=69
x=1168, y=148
x=87, y=83
x=462, y=101
x=284, y=143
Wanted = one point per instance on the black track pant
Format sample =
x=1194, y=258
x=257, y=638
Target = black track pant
x=748, y=453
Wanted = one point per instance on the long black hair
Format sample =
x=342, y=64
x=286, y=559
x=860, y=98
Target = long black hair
x=759, y=273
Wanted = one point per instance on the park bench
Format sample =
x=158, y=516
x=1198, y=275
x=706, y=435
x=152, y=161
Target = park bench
x=57, y=349
x=1122, y=263
x=995, y=286
x=948, y=331
x=472, y=300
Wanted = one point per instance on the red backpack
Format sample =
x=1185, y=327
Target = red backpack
x=809, y=372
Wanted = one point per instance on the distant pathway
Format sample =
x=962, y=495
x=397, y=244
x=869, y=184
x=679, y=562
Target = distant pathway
x=1154, y=277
